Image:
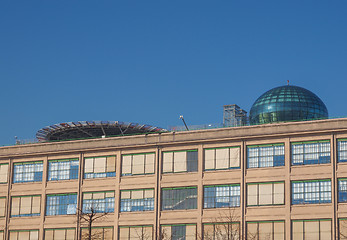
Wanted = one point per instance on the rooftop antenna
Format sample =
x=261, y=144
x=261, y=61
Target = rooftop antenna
x=181, y=117
x=288, y=82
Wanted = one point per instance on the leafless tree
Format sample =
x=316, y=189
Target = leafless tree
x=141, y=234
x=89, y=216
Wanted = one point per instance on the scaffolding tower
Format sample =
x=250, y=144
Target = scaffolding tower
x=234, y=116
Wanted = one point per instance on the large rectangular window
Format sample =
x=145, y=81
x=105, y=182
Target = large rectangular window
x=342, y=150
x=98, y=202
x=179, y=198
x=26, y=206
x=60, y=234
x=230, y=230
x=177, y=232
x=342, y=228
x=267, y=193
x=104, y=233
x=314, y=152
x=24, y=235
x=2, y=235
x=137, y=200
x=138, y=164
x=63, y=169
x=27, y=172
x=311, y=229
x=61, y=204
x=2, y=207
x=269, y=230
x=270, y=155
x=100, y=167
x=312, y=191
x=342, y=185
x=135, y=232
x=221, y=158
x=222, y=196
x=180, y=161
x=3, y=173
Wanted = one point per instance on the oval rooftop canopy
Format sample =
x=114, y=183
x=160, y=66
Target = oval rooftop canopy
x=287, y=103
x=92, y=129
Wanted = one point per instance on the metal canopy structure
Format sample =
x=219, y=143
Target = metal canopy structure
x=92, y=129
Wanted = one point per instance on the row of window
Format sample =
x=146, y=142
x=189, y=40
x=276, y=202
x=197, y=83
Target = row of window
x=258, y=156
x=318, y=229
x=215, y=196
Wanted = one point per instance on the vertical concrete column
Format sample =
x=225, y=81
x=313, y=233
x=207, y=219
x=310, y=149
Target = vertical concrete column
x=43, y=197
x=117, y=193
x=334, y=186
x=199, y=228
x=157, y=195
x=243, y=192
x=287, y=188
x=79, y=195
x=8, y=198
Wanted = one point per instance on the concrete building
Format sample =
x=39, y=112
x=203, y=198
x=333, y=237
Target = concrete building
x=284, y=180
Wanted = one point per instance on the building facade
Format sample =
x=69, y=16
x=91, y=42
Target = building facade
x=273, y=181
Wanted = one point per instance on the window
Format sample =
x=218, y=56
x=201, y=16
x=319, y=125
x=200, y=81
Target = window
x=342, y=150
x=316, y=152
x=24, y=235
x=137, y=200
x=179, y=198
x=343, y=229
x=2, y=235
x=3, y=173
x=104, y=233
x=100, y=167
x=138, y=164
x=25, y=206
x=342, y=184
x=64, y=169
x=135, y=232
x=269, y=230
x=2, y=207
x=271, y=155
x=267, y=193
x=222, y=158
x=230, y=230
x=311, y=229
x=222, y=196
x=61, y=204
x=98, y=202
x=60, y=234
x=27, y=172
x=314, y=191
x=180, y=161
x=178, y=232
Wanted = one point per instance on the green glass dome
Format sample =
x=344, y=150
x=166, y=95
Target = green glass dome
x=287, y=103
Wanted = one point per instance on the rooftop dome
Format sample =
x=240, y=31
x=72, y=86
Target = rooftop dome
x=287, y=103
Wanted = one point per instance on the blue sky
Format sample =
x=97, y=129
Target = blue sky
x=151, y=61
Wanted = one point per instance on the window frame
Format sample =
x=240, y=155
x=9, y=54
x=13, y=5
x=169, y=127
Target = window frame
x=5, y=206
x=93, y=174
x=173, y=199
x=58, y=206
x=178, y=225
x=223, y=223
x=105, y=227
x=36, y=164
x=7, y=172
x=60, y=172
x=303, y=193
x=319, y=220
x=215, y=160
x=132, y=164
x=135, y=226
x=132, y=201
x=104, y=203
x=272, y=194
x=280, y=162
x=269, y=221
x=230, y=196
x=305, y=153
x=339, y=151
x=186, y=160
x=54, y=229
x=24, y=230
x=31, y=206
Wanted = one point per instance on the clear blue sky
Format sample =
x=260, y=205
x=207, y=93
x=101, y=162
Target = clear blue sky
x=151, y=61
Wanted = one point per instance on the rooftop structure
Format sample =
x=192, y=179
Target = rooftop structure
x=287, y=103
x=234, y=116
x=92, y=129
